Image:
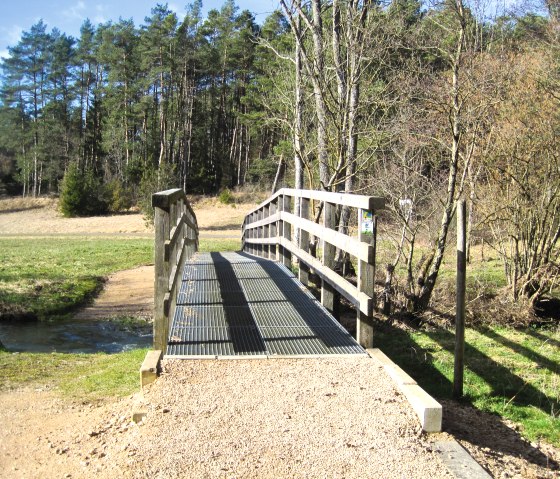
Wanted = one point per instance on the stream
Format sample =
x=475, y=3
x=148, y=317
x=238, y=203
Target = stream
x=73, y=336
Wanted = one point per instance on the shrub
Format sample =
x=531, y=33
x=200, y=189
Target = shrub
x=82, y=193
x=119, y=197
x=226, y=197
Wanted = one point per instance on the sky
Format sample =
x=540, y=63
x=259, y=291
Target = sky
x=17, y=16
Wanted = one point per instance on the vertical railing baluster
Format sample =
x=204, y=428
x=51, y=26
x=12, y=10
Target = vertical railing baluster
x=304, y=241
x=327, y=290
x=266, y=231
x=286, y=232
x=272, y=232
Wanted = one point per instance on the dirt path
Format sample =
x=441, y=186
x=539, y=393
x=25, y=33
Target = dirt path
x=128, y=293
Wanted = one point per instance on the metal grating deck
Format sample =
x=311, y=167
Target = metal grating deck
x=238, y=305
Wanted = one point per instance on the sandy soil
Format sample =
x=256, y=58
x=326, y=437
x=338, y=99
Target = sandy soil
x=226, y=419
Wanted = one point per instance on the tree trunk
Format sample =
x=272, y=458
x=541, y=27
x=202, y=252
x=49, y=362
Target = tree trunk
x=430, y=281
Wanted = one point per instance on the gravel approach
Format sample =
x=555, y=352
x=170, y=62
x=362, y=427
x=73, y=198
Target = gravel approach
x=283, y=418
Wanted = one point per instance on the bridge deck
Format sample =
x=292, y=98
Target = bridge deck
x=235, y=305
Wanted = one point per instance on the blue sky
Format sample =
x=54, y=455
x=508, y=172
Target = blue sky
x=68, y=15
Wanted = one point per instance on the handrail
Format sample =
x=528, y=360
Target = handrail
x=267, y=231
x=176, y=240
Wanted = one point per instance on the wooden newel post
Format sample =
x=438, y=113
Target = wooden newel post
x=461, y=291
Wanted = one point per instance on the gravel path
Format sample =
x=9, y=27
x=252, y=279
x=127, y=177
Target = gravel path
x=307, y=418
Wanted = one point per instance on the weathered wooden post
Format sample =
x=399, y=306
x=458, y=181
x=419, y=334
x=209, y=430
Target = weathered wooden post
x=261, y=248
x=162, y=228
x=304, y=241
x=366, y=280
x=461, y=292
x=286, y=232
x=329, y=251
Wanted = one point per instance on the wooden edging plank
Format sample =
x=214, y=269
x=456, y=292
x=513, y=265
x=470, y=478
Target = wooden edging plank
x=428, y=410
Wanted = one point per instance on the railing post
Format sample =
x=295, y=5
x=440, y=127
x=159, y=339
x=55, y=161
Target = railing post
x=327, y=291
x=366, y=284
x=259, y=230
x=252, y=233
x=304, y=241
x=272, y=232
x=162, y=270
x=286, y=233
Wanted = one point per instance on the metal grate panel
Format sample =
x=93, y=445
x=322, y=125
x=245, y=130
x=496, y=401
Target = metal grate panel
x=233, y=304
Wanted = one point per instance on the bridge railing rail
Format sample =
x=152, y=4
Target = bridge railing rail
x=176, y=240
x=271, y=228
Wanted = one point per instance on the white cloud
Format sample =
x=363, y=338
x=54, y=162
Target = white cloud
x=4, y=54
x=12, y=34
x=177, y=10
x=100, y=16
x=76, y=11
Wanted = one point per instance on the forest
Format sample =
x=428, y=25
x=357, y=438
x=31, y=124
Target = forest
x=421, y=102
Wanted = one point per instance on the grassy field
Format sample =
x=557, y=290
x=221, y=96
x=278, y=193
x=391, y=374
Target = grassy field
x=80, y=376
x=48, y=277
x=512, y=373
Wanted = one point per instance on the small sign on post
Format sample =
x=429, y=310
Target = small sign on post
x=367, y=221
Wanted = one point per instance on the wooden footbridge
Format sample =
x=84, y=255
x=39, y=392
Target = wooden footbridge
x=250, y=303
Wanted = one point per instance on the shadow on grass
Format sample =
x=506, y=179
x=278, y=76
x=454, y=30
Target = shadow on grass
x=460, y=418
x=229, y=226
x=533, y=356
x=543, y=338
x=503, y=382
x=22, y=208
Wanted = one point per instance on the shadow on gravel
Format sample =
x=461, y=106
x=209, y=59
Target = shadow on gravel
x=489, y=433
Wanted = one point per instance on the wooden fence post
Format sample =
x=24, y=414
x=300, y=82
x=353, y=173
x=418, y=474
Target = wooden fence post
x=286, y=232
x=162, y=271
x=272, y=232
x=461, y=291
x=366, y=284
x=328, y=293
x=304, y=242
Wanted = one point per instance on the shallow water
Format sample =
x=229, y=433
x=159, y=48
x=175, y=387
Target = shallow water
x=73, y=336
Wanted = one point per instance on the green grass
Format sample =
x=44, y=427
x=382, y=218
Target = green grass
x=49, y=277
x=219, y=244
x=83, y=376
x=512, y=373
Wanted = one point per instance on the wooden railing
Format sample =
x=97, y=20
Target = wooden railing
x=176, y=240
x=268, y=230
